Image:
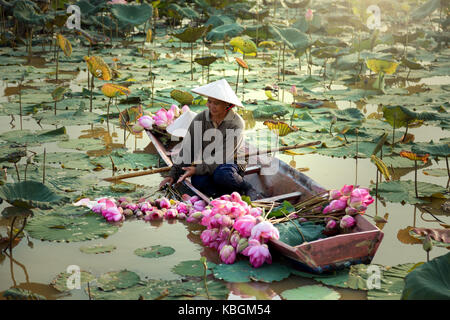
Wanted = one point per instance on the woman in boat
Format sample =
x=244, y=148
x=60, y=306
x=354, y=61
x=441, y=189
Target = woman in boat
x=217, y=167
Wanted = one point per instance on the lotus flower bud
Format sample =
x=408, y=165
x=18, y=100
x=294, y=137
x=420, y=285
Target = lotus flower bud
x=346, y=190
x=331, y=224
x=309, y=15
x=347, y=222
x=146, y=122
x=128, y=212
x=335, y=194
x=227, y=254
x=242, y=244
x=351, y=211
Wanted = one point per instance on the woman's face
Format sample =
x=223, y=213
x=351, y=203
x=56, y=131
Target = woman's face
x=217, y=108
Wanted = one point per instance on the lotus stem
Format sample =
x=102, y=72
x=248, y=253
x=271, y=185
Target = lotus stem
x=356, y=168
x=43, y=168
x=20, y=231
x=92, y=89
x=11, y=234
x=20, y=103
x=237, y=80
x=284, y=52
x=279, y=57
x=89, y=291
x=17, y=171
x=107, y=111
x=415, y=177
x=448, y=171
x=192, y=53
x=57, y=65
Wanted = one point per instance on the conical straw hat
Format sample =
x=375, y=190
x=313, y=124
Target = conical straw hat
x=219, y=90
x=180, y=126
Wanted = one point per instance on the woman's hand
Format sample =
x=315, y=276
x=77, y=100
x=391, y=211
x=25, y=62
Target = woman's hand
x=168, y=180
x=190, y=171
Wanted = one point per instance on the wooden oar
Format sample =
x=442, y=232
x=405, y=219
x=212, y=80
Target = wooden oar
x=164, y=169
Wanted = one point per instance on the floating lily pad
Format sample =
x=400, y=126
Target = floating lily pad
x=312, y=292
x=69, y=228
x=242, y=271
x=16, y=212
x=30, y=194
x=67, y=160
x=193, y=268
x=429, y=281
x=31, y=138
x=61, y=281
x=21, y=294
x=96, y=249
x=124, y=160
x=117, y=280
x=404, y=191
x=157, y=251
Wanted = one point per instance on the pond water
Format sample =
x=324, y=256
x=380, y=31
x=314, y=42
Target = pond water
x=33, y=264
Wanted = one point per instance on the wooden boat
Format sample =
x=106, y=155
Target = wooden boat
x=318, y=256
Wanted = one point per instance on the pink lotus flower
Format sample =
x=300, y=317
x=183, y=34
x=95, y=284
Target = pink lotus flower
x=145, y=207
x=171, y=214
x=132, y=206
x=146, y=122
x=346, y=190
x=309, y=15
x=331, y=224
x=258, y=253
x=237, y=211
x=256, y=211
x=336, y=205
x=234, y=239
x=85, y=202
x=209, y=235
x=163, y=117
x=225, y=197
x=293, y=90
x=117, y=2
x=225, y=221
x=185, y=108
x=199, y=205
x=244, y=225
x=351, y=211
x=235, y=197
x=182, y=208
x=156, y=215
x=335, y=194
x=181, y=216
x=194, y=217
x=113, y=214
x=175, y=110
x=265, y=231
x=102, y=204
x=347, y=222
x=193, y=199
x=224, y=233
x=228, y=254
x=163, y=203
x=185, y=197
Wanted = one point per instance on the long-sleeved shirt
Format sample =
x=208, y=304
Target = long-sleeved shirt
x=210, y=146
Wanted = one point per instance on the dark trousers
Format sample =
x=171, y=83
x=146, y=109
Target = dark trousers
x=225, y=179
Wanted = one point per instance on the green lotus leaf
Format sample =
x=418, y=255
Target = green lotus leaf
x=401, y=116
x=435, y=150
x=125, y=160
x=11, y=152
x=404, y=191
x=68, y=160
x=164, y=289
x=425, y=10
x=392, y=283
x=22, y=294
x=228, y=30
x=184, y=11
x=290, y=234
x=311, y=292
x=106, y=191
x=84, y=144
x=30, y=194
x=98, y=248
x=219, y=20
x=32, y=138
x=429, y=281
x=182, y=97
x=193, y=268
x=67, y=117
x=16, y=212
x=157, y=251
x=61, y=280
x=192, y=34
x=69, y=228
x=26, y=12
x=268, y=110
x=205, y=61
x=89, y=8
x=242, y=271
x=132, y=15
x=117, y=280
x=436, y=172
x=292, y=37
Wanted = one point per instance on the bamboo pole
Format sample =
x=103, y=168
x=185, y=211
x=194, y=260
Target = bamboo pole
x=165, y=169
